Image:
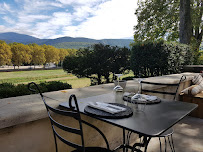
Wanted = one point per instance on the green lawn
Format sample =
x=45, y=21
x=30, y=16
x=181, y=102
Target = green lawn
x=25, y=77
x=43, y=75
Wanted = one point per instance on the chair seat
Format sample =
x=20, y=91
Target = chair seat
x=167, y=133
x=93, y=149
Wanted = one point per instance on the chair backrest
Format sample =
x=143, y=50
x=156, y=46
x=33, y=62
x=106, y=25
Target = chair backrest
x=73, y=112
x=157, y=88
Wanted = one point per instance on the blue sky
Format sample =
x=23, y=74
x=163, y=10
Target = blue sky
x=96, y=19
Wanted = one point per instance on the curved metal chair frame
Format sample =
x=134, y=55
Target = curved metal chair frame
x=71, y=112
x=168, y=134
x=172, y=93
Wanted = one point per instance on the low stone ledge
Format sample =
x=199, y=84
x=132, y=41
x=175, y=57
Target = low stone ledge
x=193, y=68
x=22, y=109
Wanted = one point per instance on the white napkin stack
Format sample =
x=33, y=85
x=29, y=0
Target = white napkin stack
x=110, y=108
x=143, y=97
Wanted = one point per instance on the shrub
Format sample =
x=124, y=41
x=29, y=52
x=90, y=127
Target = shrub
x=159, y=58
x=57, y=85
x=128, y=78
x=9, y=90
x=99, y=60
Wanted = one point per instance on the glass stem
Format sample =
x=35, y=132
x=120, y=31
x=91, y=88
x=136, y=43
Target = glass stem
x=138, y=88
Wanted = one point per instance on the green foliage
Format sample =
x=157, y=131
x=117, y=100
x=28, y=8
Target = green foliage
x=128, y=78
x=51, y=54
x=78, y=45
x=160, y=19
x=5, y=53
x=72, y=45
x=159, y=58
x=10, y=90
x=38, y=54
x=56, y=85
x=98, y=59
x=21, y=54
x=179, y=55
x=157, y=19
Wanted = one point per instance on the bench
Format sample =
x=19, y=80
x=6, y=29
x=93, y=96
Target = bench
x=197, y=99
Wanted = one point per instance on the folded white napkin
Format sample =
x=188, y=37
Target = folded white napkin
x=143, y=97
x=113, y=109
x=149, y=98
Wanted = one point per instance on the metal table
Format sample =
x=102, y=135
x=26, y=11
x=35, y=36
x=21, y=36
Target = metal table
x=155, y=120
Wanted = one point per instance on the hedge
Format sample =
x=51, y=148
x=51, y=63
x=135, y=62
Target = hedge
x=159, y=58
x=10, y=90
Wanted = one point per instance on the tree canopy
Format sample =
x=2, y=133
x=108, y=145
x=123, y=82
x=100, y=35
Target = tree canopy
x=161, y=18
x=38, y=55
x=51, y=54
x=99, y=60
x=21, y=54
x=5, y=53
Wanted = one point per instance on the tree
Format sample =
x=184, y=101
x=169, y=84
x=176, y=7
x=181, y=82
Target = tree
x=154, y=58
x=71, y=52
x=51, y=54
x=99, y=60
x=5, y=53
x=160, y=19
x=38, y=56
x=185, y=22
x=62, y=54
x=21, y=54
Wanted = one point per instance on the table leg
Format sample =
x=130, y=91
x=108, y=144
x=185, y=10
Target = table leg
x=144, y=144
x=124, y=140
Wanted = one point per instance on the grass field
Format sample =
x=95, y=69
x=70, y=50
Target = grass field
x=25, y=77
x=41, y=76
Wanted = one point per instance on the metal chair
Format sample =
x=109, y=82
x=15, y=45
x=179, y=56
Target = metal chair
x=72, y=112
x=173, y=92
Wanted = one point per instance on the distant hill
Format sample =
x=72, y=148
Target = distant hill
x=62, y=42
x=15, y=37
x=72, y=45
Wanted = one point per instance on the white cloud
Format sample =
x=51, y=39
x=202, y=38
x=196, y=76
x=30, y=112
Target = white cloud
x=97, y=18
x=61, y=19
x=24, y=18
x=80, y=2
x=51, y=26
x=114, y=19
x=5, y=8
x=35, y=6
x=82, y=13
x=8, y=20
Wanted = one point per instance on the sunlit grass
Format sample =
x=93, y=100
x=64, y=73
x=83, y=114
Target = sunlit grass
x=46, y=75
x=36, y=75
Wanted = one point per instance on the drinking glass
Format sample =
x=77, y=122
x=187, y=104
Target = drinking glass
x=118, y=91
x=118, y=87
x=139, y=107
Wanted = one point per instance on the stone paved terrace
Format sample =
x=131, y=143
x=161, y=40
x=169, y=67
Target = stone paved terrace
x=24, y=125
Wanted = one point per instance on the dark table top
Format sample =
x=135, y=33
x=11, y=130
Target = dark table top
x=156, y=118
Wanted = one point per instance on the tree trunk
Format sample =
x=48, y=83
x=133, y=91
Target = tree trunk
x=107, y=78
x=99, y=78
x=185, y=22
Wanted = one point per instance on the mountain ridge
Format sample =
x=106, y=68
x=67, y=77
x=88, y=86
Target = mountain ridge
x=62, y=42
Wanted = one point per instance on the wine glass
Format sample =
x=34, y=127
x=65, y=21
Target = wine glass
x=139, y=80
x=118, y=87
x=138, y=95
x=118, y=91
